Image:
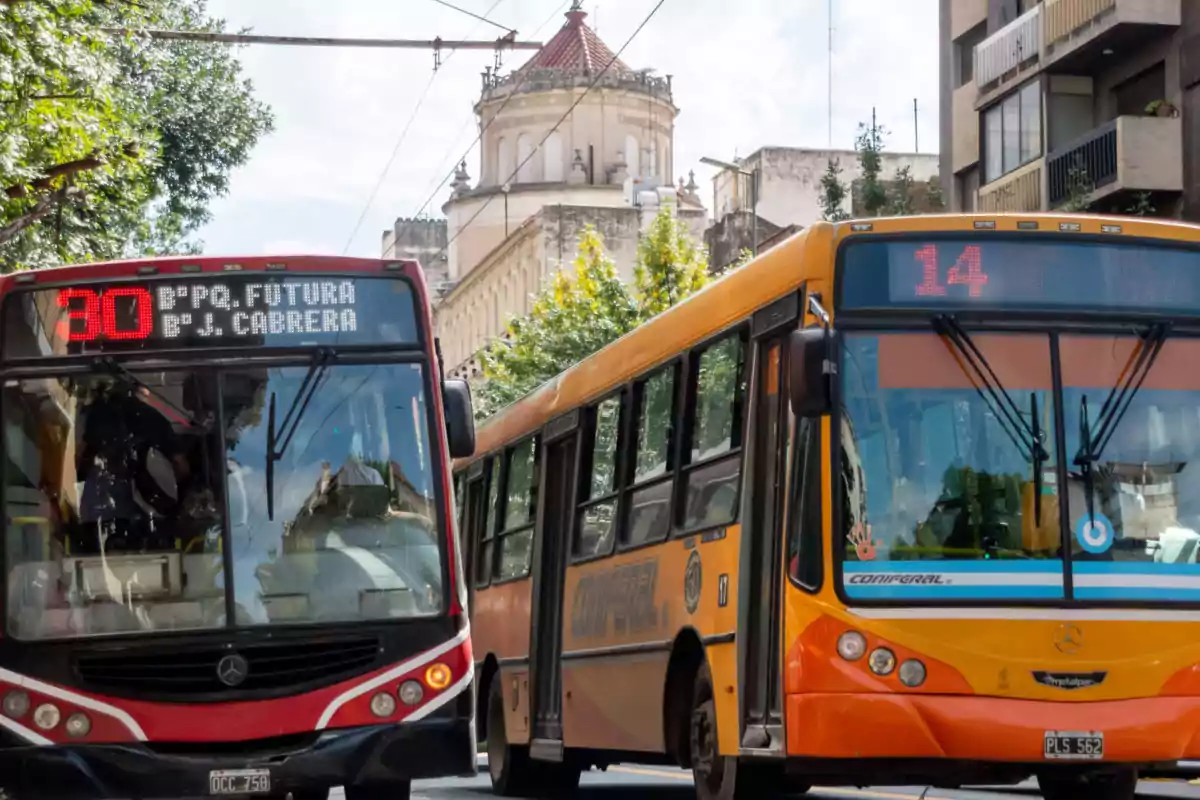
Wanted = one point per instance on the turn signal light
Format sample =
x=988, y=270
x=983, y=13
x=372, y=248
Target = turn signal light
x=912, y=673
x=438, y=676
x=78, y=725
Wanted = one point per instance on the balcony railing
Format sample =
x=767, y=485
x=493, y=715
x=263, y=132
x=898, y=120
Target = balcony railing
x=1129, y=153
x=1089, y=163
x=1018, y=191
x=1016, y=44
x=1064, y=17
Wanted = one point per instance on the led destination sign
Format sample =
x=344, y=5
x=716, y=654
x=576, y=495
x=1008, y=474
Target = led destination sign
x=1051, y=274
x=222, y=311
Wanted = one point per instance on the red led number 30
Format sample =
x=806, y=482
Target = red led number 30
x=93, y=315
x=967, y=270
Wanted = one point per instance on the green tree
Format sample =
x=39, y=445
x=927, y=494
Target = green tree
x=1079, y=189
x=670, y=265
x=833, y=192
x=576, y=314
x=588, y=307
x=114, y=146
x=935, y=199
x=901, y=193
x=869, y=145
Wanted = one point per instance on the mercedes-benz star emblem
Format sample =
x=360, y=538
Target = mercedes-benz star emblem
x=232, y=670
x=1068, y=638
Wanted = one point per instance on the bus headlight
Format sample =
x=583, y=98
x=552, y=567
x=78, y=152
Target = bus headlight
x=46, y=716
x=851, y=645
x=438, y=676
x=410, y=693
x=78, y=725
x=912, y=673
x=16, y=704
x=882, y=661
x=383, y=705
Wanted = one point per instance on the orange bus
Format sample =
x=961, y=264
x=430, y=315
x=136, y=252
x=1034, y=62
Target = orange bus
x=901, y=501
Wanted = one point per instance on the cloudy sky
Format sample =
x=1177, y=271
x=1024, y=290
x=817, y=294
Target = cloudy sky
x=747, y=73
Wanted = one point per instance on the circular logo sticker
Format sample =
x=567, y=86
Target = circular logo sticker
x=691, y=583
x=1094, y=533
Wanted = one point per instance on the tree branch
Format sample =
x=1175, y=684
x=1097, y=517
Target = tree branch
x=69, y=168
x=43, y=207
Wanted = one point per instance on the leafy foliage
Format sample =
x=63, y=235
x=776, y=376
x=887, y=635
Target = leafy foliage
x=869, y=145
x=588, y=307
x=901, y=200
x=114, y=146
x=833, y=192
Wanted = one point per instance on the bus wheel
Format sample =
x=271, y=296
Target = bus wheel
x=1120, y=785
x=398, y=790
x=508, y=766
x=718, y=777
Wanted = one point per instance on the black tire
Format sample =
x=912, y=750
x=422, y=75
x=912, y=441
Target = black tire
x=1120, y=785
x=719, y=777
x=397, y=790
x=508, y=765
x=305, y=794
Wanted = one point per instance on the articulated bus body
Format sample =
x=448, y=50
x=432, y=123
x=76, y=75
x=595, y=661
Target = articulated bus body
x=230, y=559
x=900, y=501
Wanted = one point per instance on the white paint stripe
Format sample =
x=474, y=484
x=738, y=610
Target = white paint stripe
x=1054, y=614
x=25, y=733
x=954, y=578
x=392, y=674
x=443, y=698
x=1117, y=580
x=34, y=685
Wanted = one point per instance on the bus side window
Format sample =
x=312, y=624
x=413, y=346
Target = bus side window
x=804, y=535
x=486, y=526
x=647, y=506
x=514, y=534
x=713, y=451
x=596, y=526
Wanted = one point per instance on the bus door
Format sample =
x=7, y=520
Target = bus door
x=560, y=443
x=760, y=601
x=474, y=528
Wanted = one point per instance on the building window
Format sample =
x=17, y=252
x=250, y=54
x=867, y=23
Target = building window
x=1012, y=131
x=964, y=51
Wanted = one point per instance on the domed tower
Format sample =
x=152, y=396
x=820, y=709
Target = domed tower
x=618, y=140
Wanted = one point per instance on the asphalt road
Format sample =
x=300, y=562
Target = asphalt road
x=662, y=783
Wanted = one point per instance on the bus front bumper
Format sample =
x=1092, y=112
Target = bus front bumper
x=375, y=755
x=1149, y=730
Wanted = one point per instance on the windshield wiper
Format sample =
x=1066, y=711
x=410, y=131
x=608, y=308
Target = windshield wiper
x=1027, y=436
x=1119, y=399
x=291, y=420
x=181, y=415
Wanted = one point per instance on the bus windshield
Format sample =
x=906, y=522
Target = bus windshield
x=944, y=498
x=119, y=487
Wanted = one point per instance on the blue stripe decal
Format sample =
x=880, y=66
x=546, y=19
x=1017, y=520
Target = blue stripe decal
x=992, y=565
x=950, y=592
x=1136, y=593
x=1148, y=568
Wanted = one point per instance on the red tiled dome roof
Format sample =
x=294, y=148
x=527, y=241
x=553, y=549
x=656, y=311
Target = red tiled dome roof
x=576, y=49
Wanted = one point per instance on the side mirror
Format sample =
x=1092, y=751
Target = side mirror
x=460, y=417
x=812, y=364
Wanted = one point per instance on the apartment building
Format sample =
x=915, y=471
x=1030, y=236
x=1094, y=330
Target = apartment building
x=1048, y=102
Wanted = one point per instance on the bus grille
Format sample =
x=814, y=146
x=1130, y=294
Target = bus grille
x=270, y=667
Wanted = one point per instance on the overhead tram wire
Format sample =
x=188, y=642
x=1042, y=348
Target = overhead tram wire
x=522, y=75
x=481, y=17
x=561, y=120
x=407, y=126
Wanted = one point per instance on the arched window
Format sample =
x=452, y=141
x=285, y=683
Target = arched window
x=504, y=160
x=633, y=156
x=524, y=149
x=552, y=158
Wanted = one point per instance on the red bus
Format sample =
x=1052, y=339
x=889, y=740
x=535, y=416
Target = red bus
x=230, y=559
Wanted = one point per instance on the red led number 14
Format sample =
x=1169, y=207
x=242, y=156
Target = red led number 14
x=967, y=270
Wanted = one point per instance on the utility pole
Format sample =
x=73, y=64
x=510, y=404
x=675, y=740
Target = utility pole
x=916, y=128
x=829, y=104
